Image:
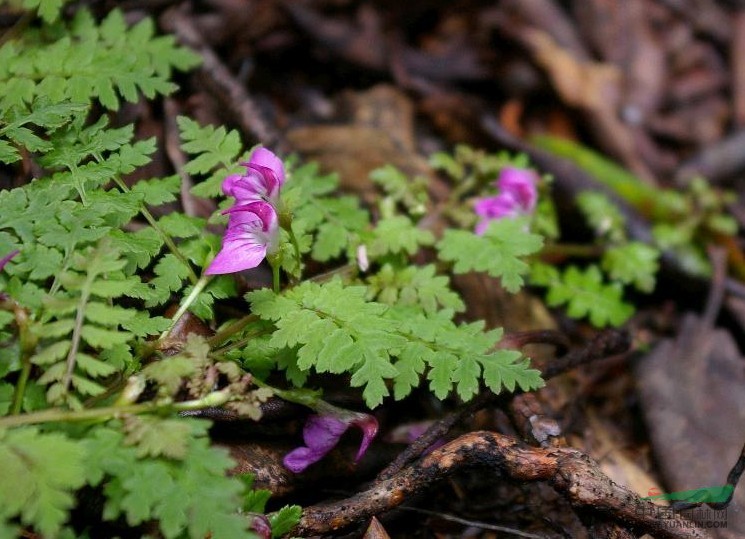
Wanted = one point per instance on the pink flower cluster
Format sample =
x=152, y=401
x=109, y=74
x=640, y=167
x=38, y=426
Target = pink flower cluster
x=324, y=430
x=253, y=224
x=517, y=196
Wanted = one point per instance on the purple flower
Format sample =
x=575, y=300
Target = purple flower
x=251, y=234
x=323, y=431
x=263, y=179
x=517, y=196
x=521, y=184
x=7, y=258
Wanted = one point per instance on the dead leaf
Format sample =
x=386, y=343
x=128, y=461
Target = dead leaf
x=692, y=391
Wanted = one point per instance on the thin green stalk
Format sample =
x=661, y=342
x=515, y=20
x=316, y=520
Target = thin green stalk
x=198, y=287
x=242, y=342
x=193, y=277
x=236, y=327
x=275, y=278
x=72, y=355
x=20, y=387
x=27, y=345
x=304, y=397
x=296, y=247
x=216, y=398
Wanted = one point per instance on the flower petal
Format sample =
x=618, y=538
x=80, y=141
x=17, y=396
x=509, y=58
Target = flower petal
x=521, y=185
x=235, y=256
x=322, y=432
x=246, y=214
x=266, y=158
x=369, y=426
x=252, y=232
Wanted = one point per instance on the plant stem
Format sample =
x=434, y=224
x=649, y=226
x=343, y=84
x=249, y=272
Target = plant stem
x=216, y=398
x=27, y=344
x=198, y=287
x=72, y=355
x=223, y=335
x=296, y=246
x=237, y=344
x=166, y=238
x=564, y=250
x=304, y=397
x=275, y=278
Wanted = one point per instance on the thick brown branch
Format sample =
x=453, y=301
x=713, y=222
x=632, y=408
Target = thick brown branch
x=569, y=471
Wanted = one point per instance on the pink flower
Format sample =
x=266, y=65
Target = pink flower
x=521, y=184
x=323, y=431
x=517, y=196
x=265, y=175
x=252, y=233
x=7, y=258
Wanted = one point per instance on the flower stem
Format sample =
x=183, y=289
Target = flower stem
x=275, y=278
x=296, y=246
x=165, y=237
x=198, y=287
x=27, y=346
x=216, y=398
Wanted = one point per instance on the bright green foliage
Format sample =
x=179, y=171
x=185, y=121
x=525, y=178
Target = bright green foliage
x=458, y=356
x=497, y=252
x=633, y=263
x=44, y=470
x=334, y=222
x=49, y=10
x=82, y=60
x=334, y=329
x=187, y=495
x=682, y=221
x=82, y=314
x=412, y=194
x=414, y=286
x=284, y=520
x=584, y=293
x=602, y=215
x=397, y=234
x=97, y=272
x=215, y=152
x=471, y=166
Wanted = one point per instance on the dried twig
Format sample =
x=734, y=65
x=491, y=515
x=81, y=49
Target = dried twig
x=221, y=83
x=570, y=472
x=606, y=343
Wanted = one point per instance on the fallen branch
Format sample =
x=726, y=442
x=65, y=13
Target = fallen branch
x=569, y=471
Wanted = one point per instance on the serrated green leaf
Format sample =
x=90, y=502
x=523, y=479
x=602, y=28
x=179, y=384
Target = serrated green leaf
x=284, y=520
x=497, y=252
x=154, y=436
x=441, y=375
x=398, y=234
x=633, y=263
x=104, y=338
x=585, y=294
x=45, y=469
x=157, y=191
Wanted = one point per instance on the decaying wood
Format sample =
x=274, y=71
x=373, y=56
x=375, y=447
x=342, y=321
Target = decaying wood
x=569, y=471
